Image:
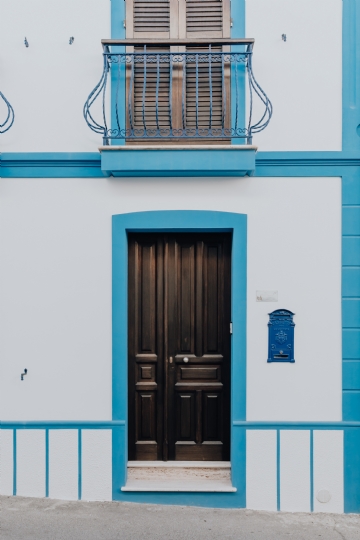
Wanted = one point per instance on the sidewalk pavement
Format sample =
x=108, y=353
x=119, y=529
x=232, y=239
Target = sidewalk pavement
x=46, y=519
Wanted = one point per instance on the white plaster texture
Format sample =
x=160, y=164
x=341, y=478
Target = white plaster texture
x=295, y=471
x=261, y=483
x=96, y=472
x=55, y=289
x=30, y=462
x=329, y=470
x=6, y=461
x=63, y=464
x=48, y=82
x=302, y=76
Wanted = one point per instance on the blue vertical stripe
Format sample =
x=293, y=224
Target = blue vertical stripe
x=46, y=463
x=278, y=468
x=14, y=462
x=79, y=465
x=311, y=470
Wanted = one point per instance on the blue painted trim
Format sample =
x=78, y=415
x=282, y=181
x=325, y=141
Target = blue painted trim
x=180, y=221
x=118, y=10
x=88, y=165
x=295, y=425
x=50, y=165
x=238, y=15
x=62, y=424
x=351, y=470
x=14, y=463
x=278, y=472
x=46, y=462
x=351, y=78
x=131, y=162
x=311, y=470
x=79, y=464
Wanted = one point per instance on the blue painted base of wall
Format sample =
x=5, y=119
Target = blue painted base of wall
x=352, y=470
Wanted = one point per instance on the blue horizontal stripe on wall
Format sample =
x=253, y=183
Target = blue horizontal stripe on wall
x=351, y=312
x=351, y=282
x=351, y=251
x=51, y=165
x=61, y=424
x=351, y=405
x=351, y=375
x=351, y=220
x=351, y=344
x=88, y=165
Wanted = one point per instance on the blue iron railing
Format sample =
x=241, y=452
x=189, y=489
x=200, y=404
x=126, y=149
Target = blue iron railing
x=10, y=116
x=197, y=93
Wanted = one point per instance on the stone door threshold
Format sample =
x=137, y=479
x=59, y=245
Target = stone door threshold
x=177, y=476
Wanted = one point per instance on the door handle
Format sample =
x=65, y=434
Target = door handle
x=185, y=359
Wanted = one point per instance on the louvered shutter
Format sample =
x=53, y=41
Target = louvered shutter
x=204, y=18
x=210, y=90
x=172, y=19
x=151, y=18
x=146, y=116
x=201, y=19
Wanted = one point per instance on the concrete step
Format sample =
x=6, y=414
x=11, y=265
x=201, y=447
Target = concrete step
x=179, y=476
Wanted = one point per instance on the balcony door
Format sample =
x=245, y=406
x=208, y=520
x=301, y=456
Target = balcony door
x=179, y=346
x=177, y=95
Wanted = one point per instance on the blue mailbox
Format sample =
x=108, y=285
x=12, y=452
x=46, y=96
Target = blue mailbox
x=281, y=336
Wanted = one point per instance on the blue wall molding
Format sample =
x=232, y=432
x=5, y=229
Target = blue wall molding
x=295, y=425
x=88, y=165
x=60, y=424
x=50, y=165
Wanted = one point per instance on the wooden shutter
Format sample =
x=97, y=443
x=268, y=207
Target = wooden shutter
x=172, y=19
x=147, y=115
x=204, y=18
x=151, y=18
x=208, y=117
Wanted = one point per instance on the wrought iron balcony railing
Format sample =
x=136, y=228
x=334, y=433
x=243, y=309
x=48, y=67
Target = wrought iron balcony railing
x=10, y=116
x=175, y=90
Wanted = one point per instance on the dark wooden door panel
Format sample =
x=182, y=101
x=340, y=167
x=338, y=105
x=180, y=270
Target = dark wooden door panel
x=145, y=349
x=179, y=346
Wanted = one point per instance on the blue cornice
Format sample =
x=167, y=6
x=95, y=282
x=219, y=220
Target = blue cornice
x=88, y=164
x=50, y=165
x=305, y=159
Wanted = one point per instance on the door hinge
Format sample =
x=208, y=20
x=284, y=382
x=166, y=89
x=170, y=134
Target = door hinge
x=231, y=328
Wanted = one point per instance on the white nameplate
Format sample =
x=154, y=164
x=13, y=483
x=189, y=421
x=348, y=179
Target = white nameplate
x=266, y=296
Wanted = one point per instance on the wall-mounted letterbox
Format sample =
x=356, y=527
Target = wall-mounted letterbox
x=281, y=336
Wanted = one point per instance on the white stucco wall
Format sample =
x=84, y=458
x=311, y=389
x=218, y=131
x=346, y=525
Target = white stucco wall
x=302, y=76
x=48, y=82
x=55, y=289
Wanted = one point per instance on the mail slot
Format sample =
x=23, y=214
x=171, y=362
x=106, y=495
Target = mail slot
x=281, y=336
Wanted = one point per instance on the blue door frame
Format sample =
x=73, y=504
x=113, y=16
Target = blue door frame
x=179, y=221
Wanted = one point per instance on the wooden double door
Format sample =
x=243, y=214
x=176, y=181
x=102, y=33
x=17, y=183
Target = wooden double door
x=179, y=346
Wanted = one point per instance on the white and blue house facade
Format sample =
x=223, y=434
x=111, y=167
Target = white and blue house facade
x=288, y=194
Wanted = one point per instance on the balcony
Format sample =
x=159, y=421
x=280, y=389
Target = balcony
x=173, y=101
x=9, y=114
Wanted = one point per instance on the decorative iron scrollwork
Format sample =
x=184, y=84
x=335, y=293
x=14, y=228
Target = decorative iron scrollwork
x=10, y=116
x=231, y=68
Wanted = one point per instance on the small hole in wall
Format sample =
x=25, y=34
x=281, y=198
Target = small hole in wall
x=358, y=130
